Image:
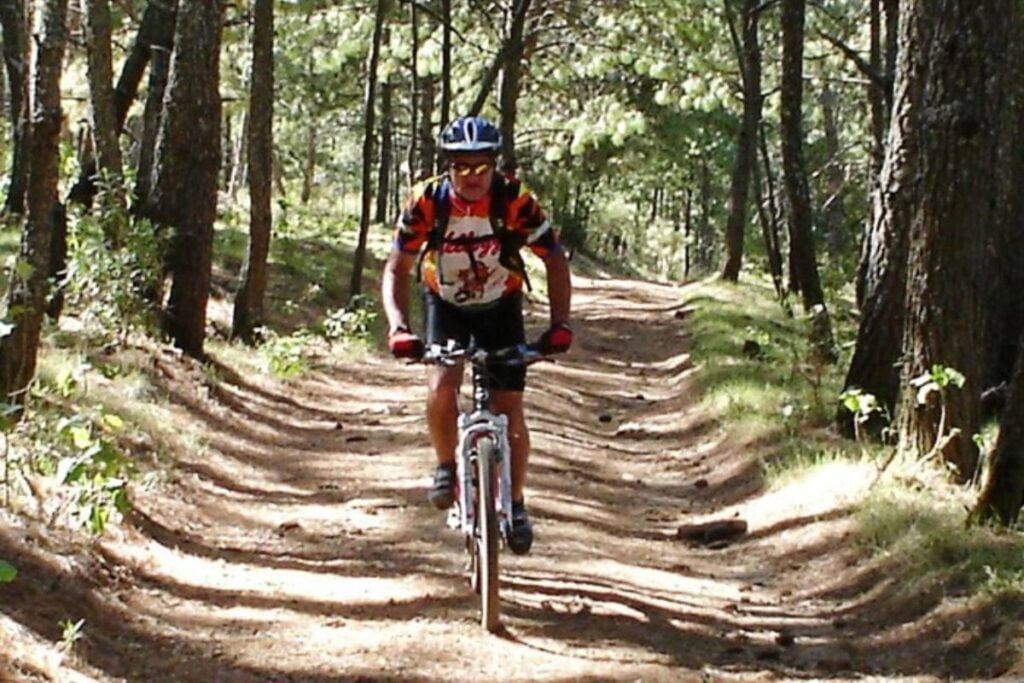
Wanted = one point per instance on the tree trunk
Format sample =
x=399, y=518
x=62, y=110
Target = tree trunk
x=309, y=168
x=239, y=162
x=186, y=169
x=835, y=176
x=387, y=134
x=248, y=313
x=356, y=283
x=103, y=120
x=101, y=91
x=510, y=75
x=1003, y=495
x=955, y=80
x=27, y=293
x=159, y=71
x=428, y=141
x=14, y=20
x=746, y=143
x=768, y=217
x=801, y=237
x=446, y=71
x=414, y=99
x=157, y=29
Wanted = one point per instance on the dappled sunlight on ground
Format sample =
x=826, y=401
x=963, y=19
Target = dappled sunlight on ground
x=292, y=539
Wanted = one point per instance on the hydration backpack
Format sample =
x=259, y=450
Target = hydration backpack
x=510, y=242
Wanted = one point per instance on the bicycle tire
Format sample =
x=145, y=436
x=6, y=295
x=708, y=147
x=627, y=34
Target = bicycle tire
x=487, y=536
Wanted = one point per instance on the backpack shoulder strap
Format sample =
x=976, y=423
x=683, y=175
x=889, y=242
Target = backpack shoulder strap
x=503, y=192
x=440, y=195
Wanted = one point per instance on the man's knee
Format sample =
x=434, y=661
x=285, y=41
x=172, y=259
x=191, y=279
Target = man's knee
x=443, y=384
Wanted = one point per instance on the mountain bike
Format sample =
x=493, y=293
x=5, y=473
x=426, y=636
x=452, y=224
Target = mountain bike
x=483, y=509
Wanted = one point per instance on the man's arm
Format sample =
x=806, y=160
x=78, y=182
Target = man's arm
x=559, y=286
x=395, y=288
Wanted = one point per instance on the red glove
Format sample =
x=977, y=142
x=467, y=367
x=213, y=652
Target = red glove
x=405, y=344
x=557, y=339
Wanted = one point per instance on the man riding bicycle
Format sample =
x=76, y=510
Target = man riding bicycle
x=463, y=232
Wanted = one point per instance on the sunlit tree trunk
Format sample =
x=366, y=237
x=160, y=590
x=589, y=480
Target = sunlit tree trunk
x=956, y=99
x=156, y=29
x=369, y=128
x=29, y=285
x=427, y=134
x=103, y=119
x=510, y=77
x=248, y=313
x=15, y=52
x=414, y=104
x=801, y=237
x=1003, y=494
x=186, y=169
x=834, y=209
x=159, y=70
x=387, y=134
x=446, y=71
x=749, y=53
x=768, y=216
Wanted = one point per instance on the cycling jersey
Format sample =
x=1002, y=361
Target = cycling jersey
x=470, y=274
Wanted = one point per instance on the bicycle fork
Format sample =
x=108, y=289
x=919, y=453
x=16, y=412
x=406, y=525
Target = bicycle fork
x=471, y=429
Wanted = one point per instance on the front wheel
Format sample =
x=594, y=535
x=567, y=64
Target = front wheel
x=487, y=535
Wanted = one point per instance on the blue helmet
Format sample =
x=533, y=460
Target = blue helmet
x=471, y=134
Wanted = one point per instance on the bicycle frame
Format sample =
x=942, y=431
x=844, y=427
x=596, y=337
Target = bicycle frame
x=472, y=426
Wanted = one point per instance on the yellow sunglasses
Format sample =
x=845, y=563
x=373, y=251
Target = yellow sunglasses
x=464, y=170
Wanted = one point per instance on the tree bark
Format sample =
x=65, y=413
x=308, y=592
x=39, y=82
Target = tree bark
x=156, y=30
x=387, y=135
x=428, y=140
x=446, y=71
x=102, y=117
x=768, y=217
x=956, y=80
x=186, y=169
x=801, y=237
x=29, y=287
x=746, y=143
x=101, y=91
x=14, y=23
x=834, y=173
x=159, y=71
x=510, y=77
x=369, y=128
x=414, y=80
x=1003, y=494
x=248, y=313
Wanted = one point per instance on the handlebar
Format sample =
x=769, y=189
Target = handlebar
x=520, y=354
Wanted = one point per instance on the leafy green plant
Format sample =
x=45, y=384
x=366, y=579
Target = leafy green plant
x=939, y=380
x=8, y=572
x=70, y=633
x=352, y=322
x=285, y=355
x=109, y=289
x=96, y=467
x=862, y=405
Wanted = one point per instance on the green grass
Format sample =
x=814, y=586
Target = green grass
x=770, y=393
x=914, y=518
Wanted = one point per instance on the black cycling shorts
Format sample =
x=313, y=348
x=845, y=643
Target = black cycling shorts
x=492, y=328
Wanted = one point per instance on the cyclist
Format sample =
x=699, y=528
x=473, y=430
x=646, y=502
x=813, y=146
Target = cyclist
x=466, y=228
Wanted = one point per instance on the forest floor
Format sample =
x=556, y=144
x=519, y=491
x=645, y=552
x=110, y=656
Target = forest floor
x=295, y=541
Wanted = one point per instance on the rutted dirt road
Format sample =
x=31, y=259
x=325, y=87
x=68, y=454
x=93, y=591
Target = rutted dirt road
x=293, y=541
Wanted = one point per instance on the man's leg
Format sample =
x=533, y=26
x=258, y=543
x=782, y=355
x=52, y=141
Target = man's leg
x=443, y=410
x=510, y=403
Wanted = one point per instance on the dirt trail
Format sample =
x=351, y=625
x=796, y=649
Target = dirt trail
x=294, y=542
